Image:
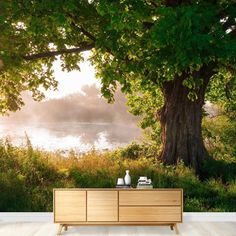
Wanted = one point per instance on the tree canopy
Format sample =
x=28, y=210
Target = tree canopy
x=170, y=49
x=144, y=40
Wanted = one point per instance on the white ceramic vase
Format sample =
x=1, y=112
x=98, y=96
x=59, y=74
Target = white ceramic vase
x=127, y=178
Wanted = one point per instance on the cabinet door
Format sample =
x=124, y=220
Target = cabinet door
x=102, y=205
x=69, y=205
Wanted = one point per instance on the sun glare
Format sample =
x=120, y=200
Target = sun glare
x=72, y=82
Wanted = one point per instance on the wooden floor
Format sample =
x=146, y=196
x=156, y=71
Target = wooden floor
x=186, y=229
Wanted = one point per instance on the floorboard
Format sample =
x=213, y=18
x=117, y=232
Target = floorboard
x=186, y=229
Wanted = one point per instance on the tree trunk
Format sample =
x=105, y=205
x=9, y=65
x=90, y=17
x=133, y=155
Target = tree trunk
x=181, y=122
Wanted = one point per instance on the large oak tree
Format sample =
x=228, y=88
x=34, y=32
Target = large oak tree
x=175, y=48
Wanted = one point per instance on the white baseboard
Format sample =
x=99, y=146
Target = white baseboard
x=48, y=216
x=210, y=216
x=26, y=217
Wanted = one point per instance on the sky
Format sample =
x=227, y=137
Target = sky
x=72, y=82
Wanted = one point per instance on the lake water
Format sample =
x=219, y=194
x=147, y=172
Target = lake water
x=80, y=137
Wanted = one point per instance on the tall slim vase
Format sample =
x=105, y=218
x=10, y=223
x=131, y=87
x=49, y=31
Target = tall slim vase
x=127, y=178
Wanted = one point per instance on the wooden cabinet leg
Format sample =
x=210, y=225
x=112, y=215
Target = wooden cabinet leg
x=172, y=227
x=59, y=229
x=176, y=229
x=66, y=227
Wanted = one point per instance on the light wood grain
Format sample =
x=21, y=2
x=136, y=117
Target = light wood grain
x=159, y=214
x=69, y=206
x=158, y=198
x=176, y=229
x=59, y=229
x=117, y=207
x=102, y=205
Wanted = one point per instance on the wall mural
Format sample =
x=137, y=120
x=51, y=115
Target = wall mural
x=94, y=94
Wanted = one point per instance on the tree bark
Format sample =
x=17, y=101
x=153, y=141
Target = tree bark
x=181, y=121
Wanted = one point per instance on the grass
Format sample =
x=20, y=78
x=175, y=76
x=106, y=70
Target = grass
x=28, y=176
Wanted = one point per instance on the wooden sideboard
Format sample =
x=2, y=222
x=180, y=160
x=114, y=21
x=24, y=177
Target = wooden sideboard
x=78, y=206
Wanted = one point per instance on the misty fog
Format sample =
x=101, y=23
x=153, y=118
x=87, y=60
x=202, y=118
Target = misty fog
x=88, y=107
x=80, y=121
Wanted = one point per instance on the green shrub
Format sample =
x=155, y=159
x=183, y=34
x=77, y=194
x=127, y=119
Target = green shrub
x=13, y=193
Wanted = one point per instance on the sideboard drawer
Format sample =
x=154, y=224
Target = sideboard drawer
x=142, y=214
x=150, y=198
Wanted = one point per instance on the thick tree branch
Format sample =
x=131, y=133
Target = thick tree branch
x=82, y=48
x=85, y=32
x=80, y=27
